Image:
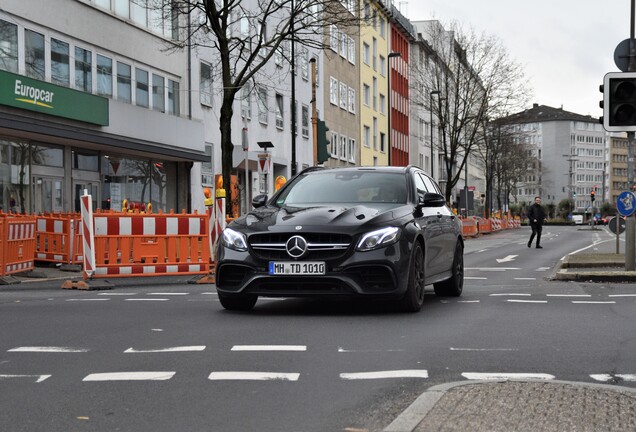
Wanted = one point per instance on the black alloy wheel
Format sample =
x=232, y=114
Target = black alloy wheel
x=243, y=302
x=454, y=286
x=414, y=297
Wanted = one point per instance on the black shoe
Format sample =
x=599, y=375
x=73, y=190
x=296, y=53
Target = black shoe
x=539, y=247
x=529, y=244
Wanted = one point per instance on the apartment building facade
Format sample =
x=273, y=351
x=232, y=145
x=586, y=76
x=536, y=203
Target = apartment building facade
x=93, y=101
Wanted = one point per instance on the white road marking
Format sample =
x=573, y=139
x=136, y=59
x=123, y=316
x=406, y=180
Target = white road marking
x=344, y=350
x=568, y=295
x=116, y=294
x=170, y=294
x=526, y=301
x=253, y=376
x=622, y=295
x=484, y=349
x=492, y=268
x=468, y=301
x=269, y=348
x=414, y=373
x=543, y=269
x=50, y=349
x=209, y=293
x=529, y=279
x=510, y=294
x=505, y=376
x=147, y=299
x=40, y=378
x=171, y=349
x=608, y=377
x=474, y=278
x=594, y=302
x=130, y=376
x=88, y=300
x=507, y=259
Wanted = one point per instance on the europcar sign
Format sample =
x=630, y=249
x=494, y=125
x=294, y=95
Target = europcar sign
x=22, y=92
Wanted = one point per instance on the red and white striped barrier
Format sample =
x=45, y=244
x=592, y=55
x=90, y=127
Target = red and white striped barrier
x=88, y=239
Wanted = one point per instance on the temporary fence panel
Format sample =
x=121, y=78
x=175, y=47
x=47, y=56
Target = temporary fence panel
x=151, y=244
x=17, y=243
x=58, y=238
x=469, y=227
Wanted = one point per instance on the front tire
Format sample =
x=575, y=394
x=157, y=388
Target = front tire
x=243, y=302
x=454, y=286
x=414, y=297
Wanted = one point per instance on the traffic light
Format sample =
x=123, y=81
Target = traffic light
x=323, y=142
x=619, y=101
x=592, y=195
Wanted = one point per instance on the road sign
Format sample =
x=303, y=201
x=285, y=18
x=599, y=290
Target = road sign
x=621, y=225
x=626, y=203
x=621, y=55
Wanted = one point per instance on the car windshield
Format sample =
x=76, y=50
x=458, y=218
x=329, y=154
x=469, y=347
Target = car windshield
x=346, y=187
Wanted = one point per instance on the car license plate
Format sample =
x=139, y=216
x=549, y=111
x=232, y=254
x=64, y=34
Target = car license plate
x=297, y=268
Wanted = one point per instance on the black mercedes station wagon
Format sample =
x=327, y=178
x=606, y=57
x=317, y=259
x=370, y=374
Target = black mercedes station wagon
x=365, y=232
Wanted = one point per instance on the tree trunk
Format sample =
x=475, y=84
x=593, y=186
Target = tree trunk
x=227, y=147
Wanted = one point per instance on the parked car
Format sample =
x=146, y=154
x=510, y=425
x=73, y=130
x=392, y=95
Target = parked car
x=363, y=232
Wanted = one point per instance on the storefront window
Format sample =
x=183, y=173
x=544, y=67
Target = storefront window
x=14, y=176
x=43, y=154
x=139, y=181
x=85, y=160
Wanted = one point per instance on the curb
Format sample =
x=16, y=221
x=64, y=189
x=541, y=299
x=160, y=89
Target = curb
x=413, y=415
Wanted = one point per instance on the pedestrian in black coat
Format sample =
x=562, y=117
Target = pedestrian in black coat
x=536, y=216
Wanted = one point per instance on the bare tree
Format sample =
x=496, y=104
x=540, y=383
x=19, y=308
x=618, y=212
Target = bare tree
x=245, y=36
x=477, y=81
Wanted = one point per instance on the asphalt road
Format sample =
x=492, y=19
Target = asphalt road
x=152, y=356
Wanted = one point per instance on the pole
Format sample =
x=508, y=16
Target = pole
x=466, y=183
x=293, y=93
x=630, y=227
x=388, y=88
x=314, y=111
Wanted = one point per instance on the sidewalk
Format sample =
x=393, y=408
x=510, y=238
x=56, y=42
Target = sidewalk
x=519, y=406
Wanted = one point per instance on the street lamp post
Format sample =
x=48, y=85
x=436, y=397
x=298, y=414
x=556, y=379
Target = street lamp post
x=430, y=108
x=388, y=66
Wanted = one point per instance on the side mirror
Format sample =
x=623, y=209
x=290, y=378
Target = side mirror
x=259, y=201
x=431, y=199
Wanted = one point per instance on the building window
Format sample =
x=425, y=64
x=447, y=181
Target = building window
x=208, y=165
x=122, y=9
x=334, y=38
x=333, y=91
x=83, y=70
x=279, y=111
x=34, y=54
x=343, y=96
x=104, y=76
x=343, y=147
x=352, y=51
x=139, y=12
x=344, y=44
x=382, y=65
x=8, y=46
x=366, y=55
x=60, y=67
x=246, y=101
x=305, y=121
x=366, y=94
x=158, y=93
x=334, y=145
x=375, y=133
x=375, y=94
x=141, y=87
x=261, y=99
x=352, y=150
x=205, y=84
x=352, y=100
x=382, y=109
x=173, y=97
x=124, y=87
x=366, y=136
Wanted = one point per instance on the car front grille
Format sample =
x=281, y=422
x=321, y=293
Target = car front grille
x=271, y=246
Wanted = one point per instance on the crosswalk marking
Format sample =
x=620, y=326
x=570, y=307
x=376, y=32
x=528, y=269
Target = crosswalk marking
x=503, y=376
x=40, y=378
x=171, y=349
x=49, y=349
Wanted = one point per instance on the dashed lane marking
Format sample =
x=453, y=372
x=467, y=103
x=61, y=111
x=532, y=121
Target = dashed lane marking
x=527, y=301
x=169, y=294
x=86, y=300
x=569, y=295
x=474, y=278
x=130, y=376
x=40, y=378
x=269, y=348
x=484, y=349
x=608, y=377
x=593, y=302
x=146, y=299
x=253, y=376
x=166, y=350
x=510, y=295
x=528, y=279
x=504, y=375
x=49, y=349
x=413, y=373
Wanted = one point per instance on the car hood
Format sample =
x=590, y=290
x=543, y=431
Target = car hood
x=265, y=218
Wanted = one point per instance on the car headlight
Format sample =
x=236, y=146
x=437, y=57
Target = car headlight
x=234, y=240
x=378, y=239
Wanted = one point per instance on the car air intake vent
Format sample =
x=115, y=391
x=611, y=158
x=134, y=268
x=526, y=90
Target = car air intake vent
x=320, y=246
x=374, y=278
x=231, y=275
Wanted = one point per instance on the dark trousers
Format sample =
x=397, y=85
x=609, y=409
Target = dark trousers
x=536, y=230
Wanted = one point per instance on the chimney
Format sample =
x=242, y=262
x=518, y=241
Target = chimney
x=536, y=105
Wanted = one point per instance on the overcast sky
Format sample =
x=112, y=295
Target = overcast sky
x=566, y=46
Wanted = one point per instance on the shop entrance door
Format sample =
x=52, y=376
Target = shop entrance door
x=48, y=194
x=79, y=186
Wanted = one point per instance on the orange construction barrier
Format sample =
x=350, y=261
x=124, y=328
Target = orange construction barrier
x=484, y=226
x=17, y=243
x=150, y=244
x=469, y=227
x=58, y=238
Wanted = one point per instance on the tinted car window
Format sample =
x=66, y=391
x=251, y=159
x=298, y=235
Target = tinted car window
x=345, y=187
x=430, y=185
